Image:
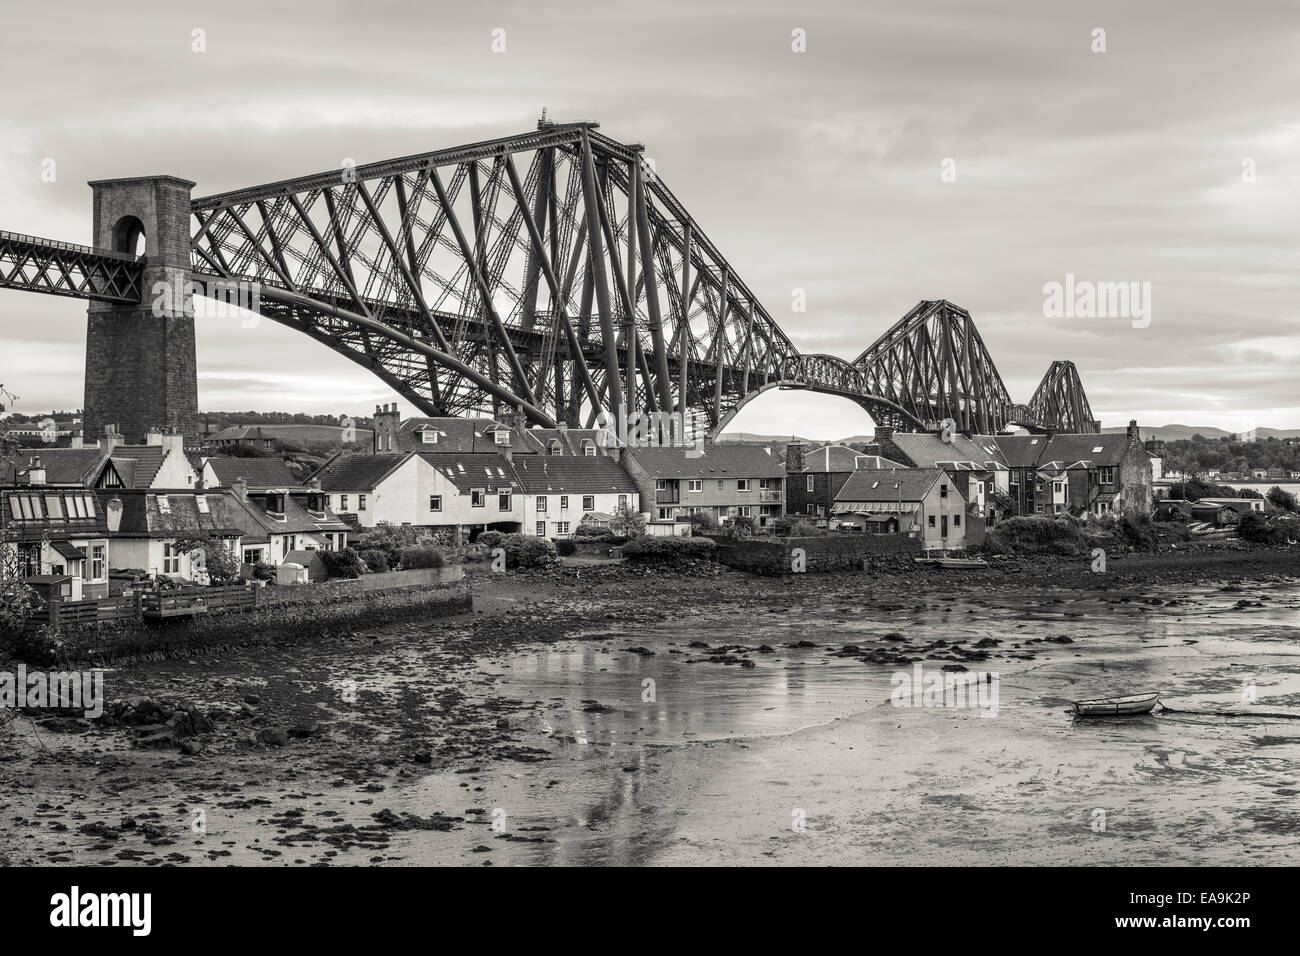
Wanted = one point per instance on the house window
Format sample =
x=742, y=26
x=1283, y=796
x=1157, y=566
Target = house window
x=564, y=502
x=429, y=437
x=812, y=508
x=956, y=521
x=931, y=521
x=54, y=506
x=476, y=496
x=553, y=447
x=589, y=448
x=361, y=502
x=164, y=506
x=694, y=484
x=252, y=555
x=744, y=511
x=1108, y=475
x=343, y=502
x=588, y=502
x=171, y=559
x=810, y=484
x=721, y=484
x=764, y=484
x=98, y=558
x=541, y=529
x=562, y=527
x=622, y=501
x=29, y=559
x=742, y=484
x=201, y=503
x=435, y=502
x=943, y=491
x=661, y=484
x=541, y=504
x=501, y=437
x=503, y=500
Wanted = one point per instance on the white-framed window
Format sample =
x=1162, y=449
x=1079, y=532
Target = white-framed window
x=54, y=506
x=503, y=499
x=589, y=448
x=252, y=555
x=361, y=502
x=476, y=498
x=744, y=511
x=564, y=502
x=721, y=484
x=810, y=484
x=435, y=502
x=501, y=437
x=343, y=502
x=694, y=484
x=588, y=502
x=562, y=527
x=1108, y=474
x=742, y=484
x=171, y=559
x=553, y=447
x=428, y=437
x=661, y=484
x=622, y=501
x=201, y=502
x=541, y=529
x=98, y=560
x=541, y=504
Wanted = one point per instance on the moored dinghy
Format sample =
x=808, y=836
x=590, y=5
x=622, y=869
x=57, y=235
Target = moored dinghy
x=1116, y=706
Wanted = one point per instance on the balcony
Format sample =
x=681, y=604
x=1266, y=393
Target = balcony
x=666, y=498
x=770, y=497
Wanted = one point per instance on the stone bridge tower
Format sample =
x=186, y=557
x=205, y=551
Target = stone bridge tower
x=140, y=363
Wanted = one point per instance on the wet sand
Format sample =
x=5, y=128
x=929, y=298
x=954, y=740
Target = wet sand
x=527, y=734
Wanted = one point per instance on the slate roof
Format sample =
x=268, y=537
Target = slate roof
x=475, y=471
x=730, y=459
x=841, y=458
x=63, y=466
x=565, y=474
x=142, y=517
x=1022, y=451
x=929, y=450
x=357, y=472
x=289, y=432
x=33, y=529
x=251, y=516
x=570, y=439
x=1028, y=451
x=258, y=473
x=458, y=435
x=138, y=465
x=896, y=484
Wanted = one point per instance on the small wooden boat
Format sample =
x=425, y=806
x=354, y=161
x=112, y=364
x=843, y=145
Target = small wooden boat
x=945, y=560
x=1116, y=706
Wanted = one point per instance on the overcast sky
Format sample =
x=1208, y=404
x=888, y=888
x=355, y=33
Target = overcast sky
x=821, y=170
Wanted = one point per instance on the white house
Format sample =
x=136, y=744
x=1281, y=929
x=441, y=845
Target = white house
x=559, y=491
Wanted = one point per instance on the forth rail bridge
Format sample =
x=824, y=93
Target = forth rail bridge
x=550, y=272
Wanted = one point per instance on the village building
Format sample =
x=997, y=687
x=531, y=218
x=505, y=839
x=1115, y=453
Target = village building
x=471, y=493
x=444, y=435
x=815, y=476
x=258, y=474
x=923, y=503
x=1079, y=474
x=149, y=529
x=58, y=533
x=973, y=462
x=563, y=491
x=276, y=522
x=268, y=438
x=365, y=490
x=725, y=481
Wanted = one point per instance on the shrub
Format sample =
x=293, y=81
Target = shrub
x=388, y=538
x=525, y=551
x=1139, y=532
x=422, y=557
x=669, y=550
x=375, y=560
x=339, y=564
x=591, y=531
x=1281, y=499
x=702, y=522
x=565, y=547
x=266, y=572
x=1036, y=534
x=627, y=523
x=490, y=539
x=1259, y=529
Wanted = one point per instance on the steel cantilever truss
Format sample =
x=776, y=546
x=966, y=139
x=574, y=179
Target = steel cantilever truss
x=550, y=271
x=62, y=268
x=1061, y=401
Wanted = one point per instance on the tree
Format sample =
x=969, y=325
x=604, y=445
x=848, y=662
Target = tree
x=743, y=525
x=210, y=556
x=17, y=598
x=1282, y=499
x=626, y=522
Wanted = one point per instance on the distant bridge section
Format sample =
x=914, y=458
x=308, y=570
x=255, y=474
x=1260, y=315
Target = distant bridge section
x=62, y=268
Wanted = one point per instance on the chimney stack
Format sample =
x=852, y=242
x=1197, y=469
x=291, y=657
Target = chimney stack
x=1134, y=437
x=112, y=438
x=35, y=472
x=794, y=456
x=154, y=436
x=240, y=487
x=75, y=440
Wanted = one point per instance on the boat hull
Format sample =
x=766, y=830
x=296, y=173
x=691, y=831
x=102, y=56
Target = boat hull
x=1116, y=706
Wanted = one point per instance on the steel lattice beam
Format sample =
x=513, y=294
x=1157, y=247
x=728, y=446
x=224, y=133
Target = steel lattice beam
x=61, y=268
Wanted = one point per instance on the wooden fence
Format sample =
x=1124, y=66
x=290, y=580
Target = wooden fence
x=162, y=603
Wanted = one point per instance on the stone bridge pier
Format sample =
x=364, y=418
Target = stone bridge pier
x=140, y=361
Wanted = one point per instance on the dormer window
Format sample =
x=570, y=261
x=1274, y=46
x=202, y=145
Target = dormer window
x=164, y=506
x=275, y=506
x=201, y=503
x=553, y=447
x=501, y=437
x=589, y=448
x=429, y=437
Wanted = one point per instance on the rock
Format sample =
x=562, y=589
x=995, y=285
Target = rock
x=162, y=740
x=272, y=737
x=301, y=731
x=191, y=748
x=253, y=699
x=422, y=756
